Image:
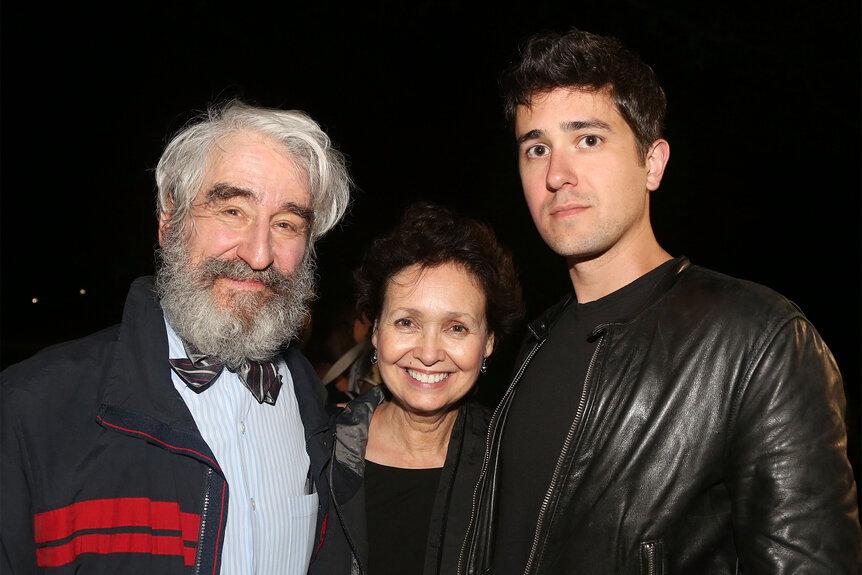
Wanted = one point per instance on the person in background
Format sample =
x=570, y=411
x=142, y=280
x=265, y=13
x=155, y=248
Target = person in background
x=347, y=346
x=190, y=438
x=663, y=418
x=406, y=455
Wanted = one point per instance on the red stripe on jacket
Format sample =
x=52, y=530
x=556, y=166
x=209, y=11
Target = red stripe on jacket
x=112, y=514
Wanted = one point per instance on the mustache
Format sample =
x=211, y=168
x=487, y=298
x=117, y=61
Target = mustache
x=215, y=268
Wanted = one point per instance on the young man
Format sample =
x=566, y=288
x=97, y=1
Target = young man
x=190, y=438
x=664, y=417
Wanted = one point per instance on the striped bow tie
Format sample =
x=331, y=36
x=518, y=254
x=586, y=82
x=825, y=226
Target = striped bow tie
x=200, y=371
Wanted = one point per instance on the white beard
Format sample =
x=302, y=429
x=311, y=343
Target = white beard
x=252, y=325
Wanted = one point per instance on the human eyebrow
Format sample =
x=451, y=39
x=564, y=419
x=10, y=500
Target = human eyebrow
x=304, y=212
x=226, y=192
x=446, y=315
x=531, y=135
x=405, y=311
x=576, y=125
x=463, y=318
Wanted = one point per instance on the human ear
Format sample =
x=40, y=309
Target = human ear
x=164, y=227
x=165, y=220
x=374, y=334
x=657, y=160
x=489, y=345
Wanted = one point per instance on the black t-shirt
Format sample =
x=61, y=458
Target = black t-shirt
x=398, y=505
x=542, y=413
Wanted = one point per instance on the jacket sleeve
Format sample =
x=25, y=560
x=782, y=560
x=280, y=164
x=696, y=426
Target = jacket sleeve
x=16, y=517
x=792, y=488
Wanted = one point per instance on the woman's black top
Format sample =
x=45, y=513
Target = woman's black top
x=398, y=509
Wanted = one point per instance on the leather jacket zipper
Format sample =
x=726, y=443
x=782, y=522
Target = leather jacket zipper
x=487, y=457
x=652, y=558
x=576, y=422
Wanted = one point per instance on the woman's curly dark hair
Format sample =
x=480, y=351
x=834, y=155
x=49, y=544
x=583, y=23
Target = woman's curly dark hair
x=430, y=235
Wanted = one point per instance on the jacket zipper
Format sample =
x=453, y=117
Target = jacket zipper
x=650, y=558
x=204, y=514
x=487, y=457
x=566, y=445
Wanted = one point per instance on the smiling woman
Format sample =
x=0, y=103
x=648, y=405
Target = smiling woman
x=432, y=339
x=441, y=293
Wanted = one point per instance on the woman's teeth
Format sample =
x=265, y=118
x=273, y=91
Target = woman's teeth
x=427, y=377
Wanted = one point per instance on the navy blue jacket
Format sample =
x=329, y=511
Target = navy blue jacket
x=103, y=468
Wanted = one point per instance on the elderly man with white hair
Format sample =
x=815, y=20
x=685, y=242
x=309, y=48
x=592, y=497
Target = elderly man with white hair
x=191, y=438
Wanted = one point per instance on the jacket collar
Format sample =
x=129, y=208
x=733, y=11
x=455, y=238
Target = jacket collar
x=351, y=426
x=139, y=375
x=540, y=328
x=351, y=429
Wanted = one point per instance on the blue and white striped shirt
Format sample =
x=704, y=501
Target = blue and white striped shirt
x=261, y=449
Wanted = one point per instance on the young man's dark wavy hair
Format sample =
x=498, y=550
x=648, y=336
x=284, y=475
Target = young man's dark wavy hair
x=583, y=61
x=429, y=235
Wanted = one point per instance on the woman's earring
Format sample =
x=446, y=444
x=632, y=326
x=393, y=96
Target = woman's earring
x=374, y=356
x=484, y=367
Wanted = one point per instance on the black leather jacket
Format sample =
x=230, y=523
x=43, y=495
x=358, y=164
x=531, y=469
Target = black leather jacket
x=709, y=438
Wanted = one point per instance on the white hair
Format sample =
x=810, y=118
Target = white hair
x=183, y=165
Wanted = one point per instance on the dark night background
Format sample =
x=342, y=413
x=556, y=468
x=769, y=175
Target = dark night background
x=763, y=122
